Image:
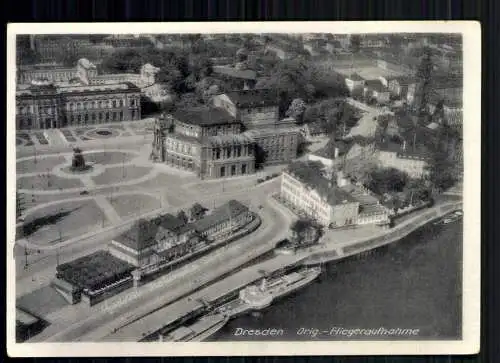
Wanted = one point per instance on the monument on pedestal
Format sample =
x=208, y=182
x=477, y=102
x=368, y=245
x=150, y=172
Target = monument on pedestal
x=78, y=162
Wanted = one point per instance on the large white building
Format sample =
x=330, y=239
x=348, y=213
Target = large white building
x=307, y=190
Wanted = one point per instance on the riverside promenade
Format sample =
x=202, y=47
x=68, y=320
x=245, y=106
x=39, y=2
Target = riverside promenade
x=329, y=250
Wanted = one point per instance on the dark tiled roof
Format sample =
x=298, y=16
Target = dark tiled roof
x=253, y=98
x=140, y=236
x=203, y=116
x=221, y=214
x=309, y=174
x=93, y=269
x=376, y=85
x=170, y=223
x=355, y=77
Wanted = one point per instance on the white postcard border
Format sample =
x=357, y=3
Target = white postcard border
x=472, y=190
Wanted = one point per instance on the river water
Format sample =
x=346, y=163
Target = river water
x=416, y=284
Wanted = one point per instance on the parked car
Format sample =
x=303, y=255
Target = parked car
x=84, y=192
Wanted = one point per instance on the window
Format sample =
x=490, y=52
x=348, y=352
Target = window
x=217, y=153
x=93, y=117
x=101, y=116
x=114, y=103
x=86, y=117
x=228, y=152
x=121, y=115
x=79, y=119
x=85, y=105
x=121, y=103
x=114, y=116
x=222, y=171
x=107, y=116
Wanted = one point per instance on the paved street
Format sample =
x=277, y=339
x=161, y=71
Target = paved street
x=274, y=227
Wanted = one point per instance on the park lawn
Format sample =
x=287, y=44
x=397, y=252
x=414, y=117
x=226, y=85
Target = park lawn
x=108, y=157
x=50, y=182
x=120, y=174
x=71, y=219
x=130, y=205
x=40, y=166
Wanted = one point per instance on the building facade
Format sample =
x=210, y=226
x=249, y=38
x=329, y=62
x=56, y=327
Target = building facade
x=326, y=203
x=151, y=244
x=237, y=133
x=412, y=164
x=208, y=142
x=44, y=105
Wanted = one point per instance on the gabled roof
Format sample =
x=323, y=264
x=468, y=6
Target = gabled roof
x=231, y=209
x=140, y=236
x=376, y=85
x=253, y=98
x=203, y=116
x=355, y=77
x=309, y=174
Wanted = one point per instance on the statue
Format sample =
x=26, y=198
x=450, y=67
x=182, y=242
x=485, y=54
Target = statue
x=78, y=162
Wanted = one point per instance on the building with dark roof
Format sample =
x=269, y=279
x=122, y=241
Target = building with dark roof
x=92, y=277
x=45, y=105
x=408, y=157
x=304, y=186
x=150, y=245
x=375, y=89
x=223, y=220
x=149, y=241
x=245, y=78
x=238, y=132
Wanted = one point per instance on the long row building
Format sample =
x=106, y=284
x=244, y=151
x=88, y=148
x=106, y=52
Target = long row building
x=148, y=248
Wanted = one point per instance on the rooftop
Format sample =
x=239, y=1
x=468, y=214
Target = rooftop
x=355, y=77
x=203, y=116
x=253, y=98
x=231, y=209
x=143, y=233
x=242, y=138
x=235, y=73
x=92, y=270
x=140, y=236
x=405, y=150
x=311, y=174
x=376, y=85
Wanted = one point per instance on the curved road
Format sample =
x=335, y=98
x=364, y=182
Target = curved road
x=184, y=280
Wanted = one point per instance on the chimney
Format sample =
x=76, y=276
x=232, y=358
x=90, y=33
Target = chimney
x=404, y=145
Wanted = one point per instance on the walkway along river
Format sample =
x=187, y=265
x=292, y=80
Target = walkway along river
x=415, y=283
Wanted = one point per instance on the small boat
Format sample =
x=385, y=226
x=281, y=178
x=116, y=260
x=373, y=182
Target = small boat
x=458, y=213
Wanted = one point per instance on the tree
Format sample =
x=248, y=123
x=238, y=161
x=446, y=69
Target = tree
x=424, y=76
x=197, y=211
x=441, y=171
x=296, y=109
x=182, y=216
x=304, y=231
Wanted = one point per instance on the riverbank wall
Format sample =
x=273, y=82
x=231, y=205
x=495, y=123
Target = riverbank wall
x=357, y=247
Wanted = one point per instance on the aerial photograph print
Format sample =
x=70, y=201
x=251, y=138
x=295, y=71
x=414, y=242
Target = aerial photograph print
x=240, y=187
